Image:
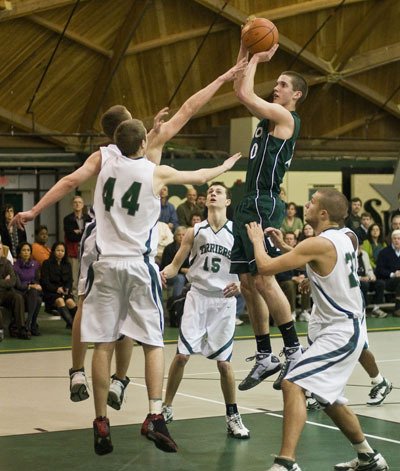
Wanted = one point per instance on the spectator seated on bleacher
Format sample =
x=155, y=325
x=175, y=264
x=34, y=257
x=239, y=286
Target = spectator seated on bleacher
x=368, y=282
x=10, y=236
x=353, y=221
x=374, y=243
x=12, y=300
x=168, y=211
x=41, y=251
x=388, y=268
x=56, y=281
x=291, y=223
x=28, y=276
x=362, y=231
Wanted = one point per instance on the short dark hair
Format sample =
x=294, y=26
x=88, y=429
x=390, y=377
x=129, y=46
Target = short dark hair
x=40, y=228
x=299, y=84
x=129, y=136
x=356, y=199
x=112, y=118
x=366, y=215
x=335, y=204
x=227, y=190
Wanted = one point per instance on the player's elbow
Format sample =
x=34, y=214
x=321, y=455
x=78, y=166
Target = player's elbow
x=69, y=182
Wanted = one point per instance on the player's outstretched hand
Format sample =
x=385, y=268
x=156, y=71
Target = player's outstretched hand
x=231, y=74
x=20, y=219
x=231, y=290
x=255, y=232
x=304, y=286
x=230, y=161
x=159, y=119
x=265, y=56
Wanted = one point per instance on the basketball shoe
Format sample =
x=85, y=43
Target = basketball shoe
x=78, y=385
x=379, y=392
x=168, y=413
x=364, y=461
x=116, y=393
x=235, y=427
x=155, y=429
x=102, y=436
x=281, y=464
x=266, y=365
x=292, y=355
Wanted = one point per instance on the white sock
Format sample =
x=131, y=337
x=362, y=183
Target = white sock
x=378, y=379
x=363, y=447
x=155, y=406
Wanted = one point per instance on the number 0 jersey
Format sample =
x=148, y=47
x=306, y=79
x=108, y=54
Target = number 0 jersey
x=210, y=258
x=337, y=296
x=126, y=208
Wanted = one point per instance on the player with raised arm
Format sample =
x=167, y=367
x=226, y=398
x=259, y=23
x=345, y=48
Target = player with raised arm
x=270, y=155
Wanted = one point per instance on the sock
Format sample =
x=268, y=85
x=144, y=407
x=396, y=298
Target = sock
x=289, y=335
x=263, y=343
x=378, y=379
x=231, y=409
x=362, y=447
x=155, y=406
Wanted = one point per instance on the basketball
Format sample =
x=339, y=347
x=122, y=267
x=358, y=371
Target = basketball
x=259, y=34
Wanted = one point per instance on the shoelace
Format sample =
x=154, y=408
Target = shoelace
x=258, y=356
x=375, y=391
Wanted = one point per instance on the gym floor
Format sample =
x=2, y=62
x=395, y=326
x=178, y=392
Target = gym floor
x=40, y=429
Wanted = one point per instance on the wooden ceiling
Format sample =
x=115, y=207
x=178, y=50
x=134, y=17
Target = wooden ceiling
x=63, y=62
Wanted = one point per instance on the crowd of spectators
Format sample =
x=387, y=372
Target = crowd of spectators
x=31, y=275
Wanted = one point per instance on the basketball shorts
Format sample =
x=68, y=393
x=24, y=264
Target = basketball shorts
x=325, y=367
x=207, y=326
x=268, y=212
x=123, y=297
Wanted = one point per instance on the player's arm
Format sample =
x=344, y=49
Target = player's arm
x=172, y=269
x=165, y=175
x=305, y=252
x=64, y=186
x=191, y=106
x=277, y=239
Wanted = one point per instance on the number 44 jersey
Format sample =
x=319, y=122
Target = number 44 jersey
x=126, y=208
x=210, y=258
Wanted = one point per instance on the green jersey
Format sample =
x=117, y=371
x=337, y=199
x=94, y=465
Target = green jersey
x=269, y=158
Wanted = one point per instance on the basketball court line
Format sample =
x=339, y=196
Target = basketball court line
x=272, y=414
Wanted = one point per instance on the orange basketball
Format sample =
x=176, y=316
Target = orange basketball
x=259, y=34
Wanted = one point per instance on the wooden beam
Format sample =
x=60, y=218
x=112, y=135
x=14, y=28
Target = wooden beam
x=231, y=13
x=301, y=8
x=28, y=7
x=123, y=37
x=238, y=17
x=24, y=123
x=371, y=95
x=360, y=33
x=229, y=100
x=6, y=5
x=355, y=124
x=77, y=38
x=372, y=59
x=175, y=38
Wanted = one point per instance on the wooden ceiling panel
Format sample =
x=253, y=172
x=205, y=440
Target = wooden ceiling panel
x=352, y=62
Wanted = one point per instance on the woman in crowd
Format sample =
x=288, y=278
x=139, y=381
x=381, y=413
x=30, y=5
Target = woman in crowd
x=57, y=283
x=374, y=243
x=28, y=276
x=306, y=232
x=291, y=223
x=11, y=237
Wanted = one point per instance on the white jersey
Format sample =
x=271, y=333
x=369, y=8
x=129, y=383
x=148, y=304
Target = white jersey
x=126, y=208
x=337, y=296
x=210, y=258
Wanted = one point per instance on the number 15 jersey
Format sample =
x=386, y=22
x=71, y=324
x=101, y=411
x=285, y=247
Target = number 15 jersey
x=210, y=258
x=126, y=208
